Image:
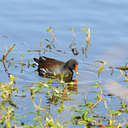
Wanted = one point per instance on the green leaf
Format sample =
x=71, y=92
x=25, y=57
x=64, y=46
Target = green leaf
x=49, y=29
x=85, y=29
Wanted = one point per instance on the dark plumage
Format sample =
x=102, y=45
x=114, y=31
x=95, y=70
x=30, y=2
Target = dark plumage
x=49, y=67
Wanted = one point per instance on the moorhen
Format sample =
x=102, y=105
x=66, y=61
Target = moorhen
x=49, y=67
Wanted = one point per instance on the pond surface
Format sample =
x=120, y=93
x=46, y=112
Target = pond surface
x=25, y=22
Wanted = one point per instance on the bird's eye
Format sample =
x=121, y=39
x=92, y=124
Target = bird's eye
x=74, y=65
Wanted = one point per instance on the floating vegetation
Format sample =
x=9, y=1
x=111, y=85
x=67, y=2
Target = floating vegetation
x=122, y=68
x=5, y=56
x=51, y=30
x=75, y=52
x=102, y=64
x=89, y=117
x=96, y=110
x=39, y=50
x=86, y=30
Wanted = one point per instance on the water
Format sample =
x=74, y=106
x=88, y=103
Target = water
x=25, y=22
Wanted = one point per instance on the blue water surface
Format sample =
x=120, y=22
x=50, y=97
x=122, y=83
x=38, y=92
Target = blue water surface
x=25, y=22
